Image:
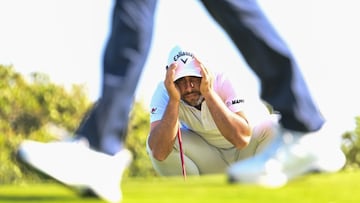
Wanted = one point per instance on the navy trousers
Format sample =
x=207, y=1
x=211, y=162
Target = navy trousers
x=282, y=84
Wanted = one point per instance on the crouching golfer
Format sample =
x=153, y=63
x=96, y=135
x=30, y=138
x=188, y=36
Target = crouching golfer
x=218, y=124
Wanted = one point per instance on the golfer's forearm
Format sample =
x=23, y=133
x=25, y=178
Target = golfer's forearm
x=232, y=126
x=163, y=134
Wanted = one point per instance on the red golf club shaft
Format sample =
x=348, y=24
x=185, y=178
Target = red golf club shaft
x=181, y=154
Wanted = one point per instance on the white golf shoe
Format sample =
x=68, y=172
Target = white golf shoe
x=290, y=155
x=77, y=166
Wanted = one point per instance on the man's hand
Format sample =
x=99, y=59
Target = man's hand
x=207, y=79
x=170, y=86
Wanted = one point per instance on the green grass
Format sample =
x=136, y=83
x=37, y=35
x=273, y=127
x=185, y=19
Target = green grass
x=319, y=188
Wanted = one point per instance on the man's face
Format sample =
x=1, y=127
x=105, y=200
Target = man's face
x=189, y=87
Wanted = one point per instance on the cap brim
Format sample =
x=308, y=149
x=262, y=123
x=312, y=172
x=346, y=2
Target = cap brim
x=186, y=74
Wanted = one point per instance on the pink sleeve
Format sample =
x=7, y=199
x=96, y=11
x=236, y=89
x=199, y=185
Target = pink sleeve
x=226, y=90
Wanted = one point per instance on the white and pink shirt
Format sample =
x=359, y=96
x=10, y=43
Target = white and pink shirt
x=201, y=121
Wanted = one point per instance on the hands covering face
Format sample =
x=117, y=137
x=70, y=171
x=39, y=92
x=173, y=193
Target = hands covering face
x=175, y=92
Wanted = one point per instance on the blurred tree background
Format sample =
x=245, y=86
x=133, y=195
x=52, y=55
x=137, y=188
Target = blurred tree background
x=35, y=108
x=351, y=146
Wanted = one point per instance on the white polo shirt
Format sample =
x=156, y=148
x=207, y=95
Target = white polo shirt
x=201, y=121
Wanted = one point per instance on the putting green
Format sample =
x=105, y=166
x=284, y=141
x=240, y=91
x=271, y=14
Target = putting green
x=339, y=187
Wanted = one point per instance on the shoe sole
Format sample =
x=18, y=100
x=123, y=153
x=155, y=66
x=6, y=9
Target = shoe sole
x=276, y=180
x=82, y=192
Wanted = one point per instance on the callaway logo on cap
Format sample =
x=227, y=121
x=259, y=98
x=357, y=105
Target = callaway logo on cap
x=187, y=65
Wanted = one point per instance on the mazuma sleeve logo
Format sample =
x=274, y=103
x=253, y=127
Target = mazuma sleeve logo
x=235, y=101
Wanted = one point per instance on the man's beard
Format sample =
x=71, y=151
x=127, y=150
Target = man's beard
x=199, y=101
x=196, y=103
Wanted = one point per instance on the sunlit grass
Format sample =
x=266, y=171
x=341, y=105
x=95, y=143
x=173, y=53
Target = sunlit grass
x=329, y=188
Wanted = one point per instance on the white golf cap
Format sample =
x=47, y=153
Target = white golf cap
x=187, y=65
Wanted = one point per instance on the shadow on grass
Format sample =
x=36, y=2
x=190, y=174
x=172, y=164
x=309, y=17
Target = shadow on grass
x=43, y=198
x=34, y=198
